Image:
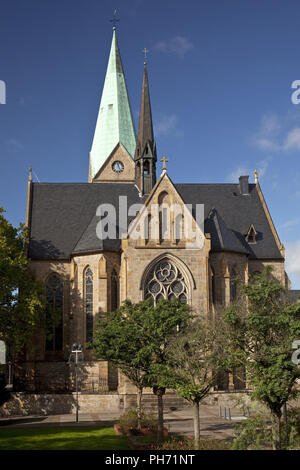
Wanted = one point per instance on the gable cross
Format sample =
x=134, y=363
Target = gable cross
x=164, y=160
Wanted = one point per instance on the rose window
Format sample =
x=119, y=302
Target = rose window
x=165, y=281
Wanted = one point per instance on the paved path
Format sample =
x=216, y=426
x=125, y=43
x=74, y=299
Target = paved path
x=177, y=421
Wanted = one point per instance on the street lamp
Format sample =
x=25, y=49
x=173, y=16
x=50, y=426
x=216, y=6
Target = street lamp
x=76, y=350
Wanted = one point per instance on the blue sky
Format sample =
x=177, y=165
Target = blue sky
x=220, y=76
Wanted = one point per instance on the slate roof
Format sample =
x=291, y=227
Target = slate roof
x=238, y=211
x=222, y=238
x=63, y=217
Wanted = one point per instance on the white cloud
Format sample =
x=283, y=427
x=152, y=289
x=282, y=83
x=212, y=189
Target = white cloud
x=179, y=45
x=296, y=195
x=292, y=140
x=292, y=253
x=266, y=144
x=14, y=144
x=270, y=124
x=278, y=134
x=167, y=124
x=291, y=223
x=261, y=167
x=266, y=137
x=235, y=174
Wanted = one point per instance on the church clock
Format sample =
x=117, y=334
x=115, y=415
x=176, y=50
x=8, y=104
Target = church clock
x=118, y=166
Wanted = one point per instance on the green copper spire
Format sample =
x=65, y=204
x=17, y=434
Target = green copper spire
x=114, y=123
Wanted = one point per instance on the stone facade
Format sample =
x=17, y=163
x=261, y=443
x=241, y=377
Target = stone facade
x=86, y=277
x=207, y=276
x=108, y=175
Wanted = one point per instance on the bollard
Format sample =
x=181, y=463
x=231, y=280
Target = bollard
x=220, y=411
x=225, y=415
x=229, y=414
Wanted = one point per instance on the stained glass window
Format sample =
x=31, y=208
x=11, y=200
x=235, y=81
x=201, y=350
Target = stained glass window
x=114, y=290
x=54, y=313
x=88, y=293
x=165, y=281
x=233, y=285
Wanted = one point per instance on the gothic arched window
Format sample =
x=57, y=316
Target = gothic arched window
x=88, y=300
x=54, y=313
x=213, y=286
x=114, y=290
x=138, y=169
x=165, y=281
x=164, y=216
x=233, y=285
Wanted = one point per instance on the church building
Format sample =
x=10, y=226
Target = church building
x=83, y=250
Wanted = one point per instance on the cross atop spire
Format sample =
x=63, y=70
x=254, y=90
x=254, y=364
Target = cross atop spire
x=164, y=160
x=145, y=51
x=114, y=20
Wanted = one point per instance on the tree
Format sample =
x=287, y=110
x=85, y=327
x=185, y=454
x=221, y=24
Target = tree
x=161, y=324
x=21, y=299
x=192, y=356
x=119, y=339
x=260, y=330
x=135, y=337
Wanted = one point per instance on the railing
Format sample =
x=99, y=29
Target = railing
x=64, y=383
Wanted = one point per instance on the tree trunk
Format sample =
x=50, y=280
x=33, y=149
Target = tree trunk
x=160, y=410
x=159, y=392
x=196, y=425
x=139, y=406
x=276, y=431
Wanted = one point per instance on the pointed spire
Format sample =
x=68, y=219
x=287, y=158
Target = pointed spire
x=115, y=122
x=145, y=152
x=145, y=134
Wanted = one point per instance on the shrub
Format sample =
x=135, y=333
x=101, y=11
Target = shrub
x=176, y=443
x=129, y=420
x=149, y=421
x=256, y=432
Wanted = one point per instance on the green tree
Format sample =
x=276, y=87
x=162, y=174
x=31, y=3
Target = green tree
x=260, y=330
x=135, y=337
x=192, y=356
x=163, y=322
x=119, y=339
x=21, y=299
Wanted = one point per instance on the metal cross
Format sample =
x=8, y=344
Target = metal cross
x=145, y=52
x=164, y=160
x=114, y=20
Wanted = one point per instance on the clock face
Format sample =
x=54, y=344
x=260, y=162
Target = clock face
x=118, y=166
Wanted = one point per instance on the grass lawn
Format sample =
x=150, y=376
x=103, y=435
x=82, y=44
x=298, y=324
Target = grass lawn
x=61, y=438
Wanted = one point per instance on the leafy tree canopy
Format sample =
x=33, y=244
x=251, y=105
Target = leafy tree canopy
x=21, y=304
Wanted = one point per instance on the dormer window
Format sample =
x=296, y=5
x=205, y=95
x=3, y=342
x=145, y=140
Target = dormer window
x=251, y=235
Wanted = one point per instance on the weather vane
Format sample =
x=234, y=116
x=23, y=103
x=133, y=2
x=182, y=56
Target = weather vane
x=145, y=51
x=114, y=20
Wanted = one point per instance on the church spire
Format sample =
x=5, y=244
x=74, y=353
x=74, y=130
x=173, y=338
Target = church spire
x=115, y=123
x=145, y=152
